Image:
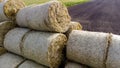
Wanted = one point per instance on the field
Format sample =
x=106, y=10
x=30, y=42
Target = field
x=66, y=2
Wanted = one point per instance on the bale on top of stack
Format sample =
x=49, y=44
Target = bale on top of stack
x=51, y=16
x=9, y=9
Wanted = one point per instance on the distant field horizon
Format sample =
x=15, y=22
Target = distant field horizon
x=68, y=3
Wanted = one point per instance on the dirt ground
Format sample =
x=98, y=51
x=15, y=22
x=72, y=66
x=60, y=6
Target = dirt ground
x=98, y=15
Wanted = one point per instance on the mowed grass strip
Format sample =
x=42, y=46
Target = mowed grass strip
x=68, y=3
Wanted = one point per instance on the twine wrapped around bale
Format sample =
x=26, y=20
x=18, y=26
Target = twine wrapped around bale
x=51, y=16
x=30, y=64
x=4, y=28
x=113, y=60
x=88, y=48
x=42, y=47
x=2, y=50
x=13, y=39
x=9, y=60
x=70, y=64
x=73, y=26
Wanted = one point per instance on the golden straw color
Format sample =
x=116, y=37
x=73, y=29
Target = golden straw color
x=11, y=8
x=44, y=48
x=2, y=50
x=50, y=16
x=73, y=26
x=1, y=0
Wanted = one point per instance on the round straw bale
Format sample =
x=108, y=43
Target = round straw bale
x=13, y=40
x=2, y=50
x=4, y=28
x=44, y=48
x=70, y=64
x=73, y=26
x=51, y=16
x=11, y=7
x=30, y=64
x=88, y=48
x=113, y=60
x=9, y=60
x=3, y=17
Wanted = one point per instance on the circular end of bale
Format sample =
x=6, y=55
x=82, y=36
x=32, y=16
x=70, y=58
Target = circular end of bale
x=59, y=17
x=11, y=8
x=55, y=55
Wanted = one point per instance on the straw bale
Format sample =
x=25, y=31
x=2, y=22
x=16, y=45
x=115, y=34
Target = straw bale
x=4, y=28
x=30, y=64
x=13, y=39
x=51, y=16
x=9, y=60
x=44, y=48
x=89, y=48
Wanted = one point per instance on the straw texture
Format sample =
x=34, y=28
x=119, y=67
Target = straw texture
x=13, y=39
x=11, y=7
x=9, y=60
x=73, y=26
x=44, y=48
x=51, y=16
x=4, y=28
x=88, y=48
x=30, y=64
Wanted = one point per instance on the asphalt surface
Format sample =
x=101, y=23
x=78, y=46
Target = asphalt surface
x=98, y=15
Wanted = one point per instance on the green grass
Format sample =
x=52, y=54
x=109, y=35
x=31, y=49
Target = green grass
x=68, y=3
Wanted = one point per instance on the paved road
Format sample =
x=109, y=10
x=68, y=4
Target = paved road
x=98, y=15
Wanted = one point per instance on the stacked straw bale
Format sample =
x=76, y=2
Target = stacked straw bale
x=30, y=64
x=70, y=64
x=9, y=60
x=51, y=16
x=9, y=9
x=4, y=28
x=2, y=50
x=88, y=48
x=42, y=47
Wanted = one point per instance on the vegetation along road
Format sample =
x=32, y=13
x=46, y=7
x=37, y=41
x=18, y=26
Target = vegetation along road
x=98, y=15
